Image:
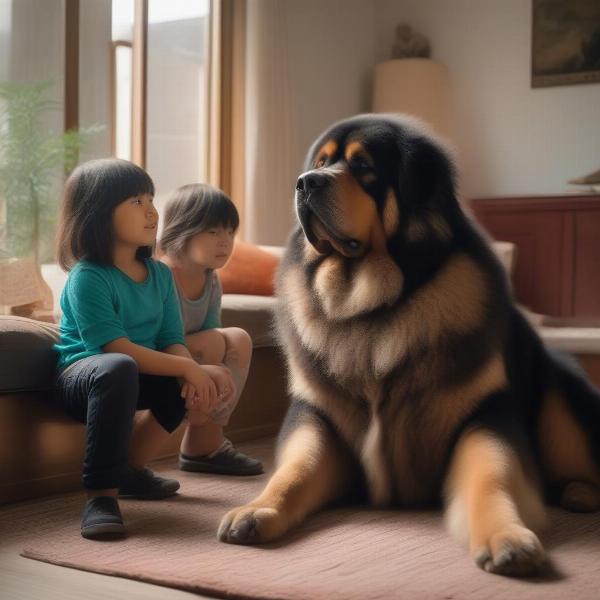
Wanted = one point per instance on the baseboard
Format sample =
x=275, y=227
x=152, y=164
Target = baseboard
x=35, y=488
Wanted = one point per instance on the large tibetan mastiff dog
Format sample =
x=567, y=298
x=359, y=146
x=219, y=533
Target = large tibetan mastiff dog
x=413, y=375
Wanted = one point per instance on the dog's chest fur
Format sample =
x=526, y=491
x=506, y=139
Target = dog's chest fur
x=398, y=422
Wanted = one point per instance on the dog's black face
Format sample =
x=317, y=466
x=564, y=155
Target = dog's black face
x=370, y=180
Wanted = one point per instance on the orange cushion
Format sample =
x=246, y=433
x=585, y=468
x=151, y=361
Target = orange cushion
x=250, y=270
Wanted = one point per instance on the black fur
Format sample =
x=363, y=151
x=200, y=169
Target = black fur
x=422, y=178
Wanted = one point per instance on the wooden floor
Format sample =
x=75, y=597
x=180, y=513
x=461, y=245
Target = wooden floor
x=25, y=579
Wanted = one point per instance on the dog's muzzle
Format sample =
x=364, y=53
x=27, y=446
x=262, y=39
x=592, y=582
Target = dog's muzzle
x=315, y=215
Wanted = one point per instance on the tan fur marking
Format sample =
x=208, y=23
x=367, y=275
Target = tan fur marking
x=391, y=215
x=354, y=148
x=310, y=472
x=451, y=406
x=342, y=411
x=452, y=302
x=312, y=330
x=357, y=214
x=327, y=150
x=372, y=458
x=348, y=418
x=489, y=492
x=435, y=421
x=377, y=282
x=565, y=449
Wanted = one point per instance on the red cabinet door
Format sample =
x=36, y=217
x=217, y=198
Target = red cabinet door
x=587, y=264
x=540, y=270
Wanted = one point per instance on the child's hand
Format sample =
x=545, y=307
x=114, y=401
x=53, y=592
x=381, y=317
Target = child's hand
x=223, y=382
x=192, y=399
x=199, y=388
x=188, y=391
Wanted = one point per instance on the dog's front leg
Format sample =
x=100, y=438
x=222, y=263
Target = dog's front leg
x=312, y=471
x=493, y=504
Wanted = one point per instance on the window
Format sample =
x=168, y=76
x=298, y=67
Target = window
x=29, y=111
x=95, y=80
x=177, y=93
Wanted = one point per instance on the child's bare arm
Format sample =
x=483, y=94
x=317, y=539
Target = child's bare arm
x=153, y=362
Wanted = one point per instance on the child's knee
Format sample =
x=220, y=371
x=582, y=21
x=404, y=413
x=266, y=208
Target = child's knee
x=117, y=373
x=241, y=341
x=122, y=366
x=213, y=348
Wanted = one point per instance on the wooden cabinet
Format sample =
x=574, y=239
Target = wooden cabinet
x=558, y=249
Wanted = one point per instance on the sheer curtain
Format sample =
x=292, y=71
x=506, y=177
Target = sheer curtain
x=269, y=174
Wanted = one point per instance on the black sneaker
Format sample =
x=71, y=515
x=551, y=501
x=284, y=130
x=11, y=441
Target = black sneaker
x=143, y=484
x=226, y=461
x=101, y=518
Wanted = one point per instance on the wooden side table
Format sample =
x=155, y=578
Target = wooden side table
x=558, y=249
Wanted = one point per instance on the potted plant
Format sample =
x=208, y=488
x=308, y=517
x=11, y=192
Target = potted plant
x=33, y=163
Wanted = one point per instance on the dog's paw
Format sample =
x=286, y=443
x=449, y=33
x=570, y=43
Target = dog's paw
x=251, y=525
x=515, y=550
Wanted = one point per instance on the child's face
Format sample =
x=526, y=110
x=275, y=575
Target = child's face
x=211, y=248
x=135, y=221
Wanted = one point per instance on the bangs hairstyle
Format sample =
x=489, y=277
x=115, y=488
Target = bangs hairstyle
x=193, y=209
x=92, y=192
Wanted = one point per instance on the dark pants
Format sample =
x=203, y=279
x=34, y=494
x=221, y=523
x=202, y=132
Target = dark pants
x=104, y=391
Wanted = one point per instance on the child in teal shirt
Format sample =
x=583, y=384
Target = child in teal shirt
x=121, y=346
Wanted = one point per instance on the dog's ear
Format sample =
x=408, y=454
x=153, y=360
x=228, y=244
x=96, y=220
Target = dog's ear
x=427, y=175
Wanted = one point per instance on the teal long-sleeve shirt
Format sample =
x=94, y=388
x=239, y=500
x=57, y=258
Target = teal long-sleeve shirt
x=101, y=303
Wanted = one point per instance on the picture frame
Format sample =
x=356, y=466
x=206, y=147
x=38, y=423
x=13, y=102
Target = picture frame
x=565, y=42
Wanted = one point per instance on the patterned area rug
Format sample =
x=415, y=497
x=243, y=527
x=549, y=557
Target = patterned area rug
x=341, y=554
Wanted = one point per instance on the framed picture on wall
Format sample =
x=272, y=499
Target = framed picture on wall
x=565, y=47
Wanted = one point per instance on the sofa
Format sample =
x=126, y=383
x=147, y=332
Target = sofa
x=41, y=449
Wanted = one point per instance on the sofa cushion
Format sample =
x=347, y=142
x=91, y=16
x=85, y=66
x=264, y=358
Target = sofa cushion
x=250, y=270
x=252, y=313
x=574, y=340
x=27, y=358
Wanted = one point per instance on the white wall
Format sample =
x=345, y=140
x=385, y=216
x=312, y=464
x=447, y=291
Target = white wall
x=511, y=139
x=325, y=56
x=332, y=50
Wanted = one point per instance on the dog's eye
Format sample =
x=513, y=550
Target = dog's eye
x=320, y=162
x=360, y=165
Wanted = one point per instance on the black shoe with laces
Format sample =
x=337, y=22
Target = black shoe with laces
x=101, y=518
x=226, y=461
x=143, y=484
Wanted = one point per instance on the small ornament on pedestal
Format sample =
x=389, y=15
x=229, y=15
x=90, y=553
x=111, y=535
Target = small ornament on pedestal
x=410, y=43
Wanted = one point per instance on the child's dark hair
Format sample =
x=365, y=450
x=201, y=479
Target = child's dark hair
x=192, y=209
x=92, y=192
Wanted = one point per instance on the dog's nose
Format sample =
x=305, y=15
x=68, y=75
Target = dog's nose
x=309, y=182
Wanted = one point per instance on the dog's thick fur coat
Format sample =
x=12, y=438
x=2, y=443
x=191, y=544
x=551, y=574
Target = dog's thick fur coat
x=413, y=376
